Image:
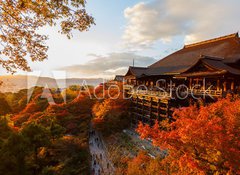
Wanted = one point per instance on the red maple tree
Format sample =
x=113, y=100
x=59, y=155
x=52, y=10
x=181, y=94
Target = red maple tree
x=204, y=140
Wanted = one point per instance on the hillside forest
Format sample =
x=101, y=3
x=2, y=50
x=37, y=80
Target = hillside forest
x=47, y=139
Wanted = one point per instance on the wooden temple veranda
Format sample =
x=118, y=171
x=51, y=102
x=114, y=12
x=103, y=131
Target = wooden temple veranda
x=205, y=69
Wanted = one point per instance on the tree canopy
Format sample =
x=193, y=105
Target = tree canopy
x=20, y=21
x=203, y=140
x=38, y=138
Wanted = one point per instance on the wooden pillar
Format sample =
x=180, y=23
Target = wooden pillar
x=154, y=83
x=190, y=83
x=142, y=108
x=204, y=83
x=167, y=112
x=137, y=104
x=158, y=109
x=225, y=86
x=131, y=109
x=232, y=85
x=218, y=85
x=151, y=107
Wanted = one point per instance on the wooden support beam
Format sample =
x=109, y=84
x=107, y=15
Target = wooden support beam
x=151, y=103
x=167, y=110
x=225, y=86
x=143, y=107
x=204, y=83
x=190, y=83
x=197, y=81
x=218, y=85
x=232, y=85
x=137, y=103
x=158, y=109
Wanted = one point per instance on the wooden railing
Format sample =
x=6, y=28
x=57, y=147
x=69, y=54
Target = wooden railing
x=215, y=93
x=149, y=93
x=128, y=87
x=165, y=94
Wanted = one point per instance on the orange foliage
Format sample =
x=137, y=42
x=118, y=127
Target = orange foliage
x=142, y=164
x=80, y=105
x=137, y=165
x=110, y=114
x=202, y=140
x=38, y=109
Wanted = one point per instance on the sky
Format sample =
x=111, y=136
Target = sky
x=145, y=31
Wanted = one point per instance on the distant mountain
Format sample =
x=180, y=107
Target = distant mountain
x=18, y=82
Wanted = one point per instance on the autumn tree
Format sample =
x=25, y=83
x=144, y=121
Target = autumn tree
x=202, y=140
x=4, y=106
x=5, y=129
x=37, y=136
x=111, y=114
x=144, y=164
x=56, y=130
x=20, y=21
x=45, y=139
x=17, y=100
x=13, y=154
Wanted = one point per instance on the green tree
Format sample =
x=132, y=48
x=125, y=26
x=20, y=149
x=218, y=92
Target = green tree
x=56, y=130
x=17, y=101
x=20, y=21
x=38, y=136
x=5, y=130
x=13, y=154
x=4, y=106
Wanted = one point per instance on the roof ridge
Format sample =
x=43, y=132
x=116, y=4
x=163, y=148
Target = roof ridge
x=209, y=57
x=212, y=40
x=138, y=67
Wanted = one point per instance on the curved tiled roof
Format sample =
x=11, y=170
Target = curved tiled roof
x=216, y=52
x=136, y=71
x=217, y=66
x=119, y=78
x=227, y=47
x=220, y=65
x=194, y=74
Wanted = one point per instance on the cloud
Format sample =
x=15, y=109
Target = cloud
x=109, y=65
x=195, y=20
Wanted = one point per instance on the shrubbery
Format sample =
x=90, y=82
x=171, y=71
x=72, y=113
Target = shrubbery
x=202, y=140
x=111, y=113
x=43, y=138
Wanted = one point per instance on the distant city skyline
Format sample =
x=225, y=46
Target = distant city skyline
x=145, y=31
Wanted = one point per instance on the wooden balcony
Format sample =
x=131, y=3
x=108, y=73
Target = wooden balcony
x=200, y=92
x=128, y=87
x=157, y=94
x=150, y=94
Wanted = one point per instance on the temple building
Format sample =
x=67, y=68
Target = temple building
x=209, y=67
x=119, y=78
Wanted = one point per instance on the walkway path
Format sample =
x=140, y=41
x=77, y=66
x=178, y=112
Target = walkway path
x=145, y=144
x=100, y=164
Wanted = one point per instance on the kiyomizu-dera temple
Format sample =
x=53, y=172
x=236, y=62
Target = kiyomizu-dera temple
x=210, y=67
x=215, y=61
